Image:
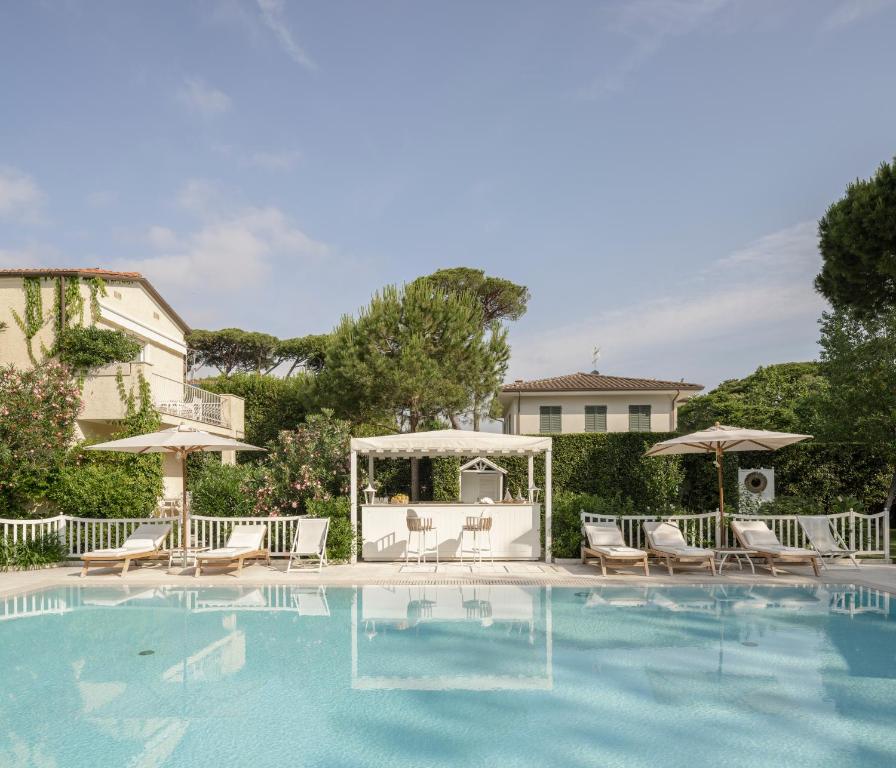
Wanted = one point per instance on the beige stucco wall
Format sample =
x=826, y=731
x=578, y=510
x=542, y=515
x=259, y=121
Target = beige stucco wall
x=131, y=308
x=522, y=414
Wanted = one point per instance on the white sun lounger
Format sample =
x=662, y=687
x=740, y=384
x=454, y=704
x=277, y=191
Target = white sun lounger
x=825, y=540
x=755, y=535
x=666, y=542
x=244, y=543
x=145, y=541
x=606, y=543
x=310, y=541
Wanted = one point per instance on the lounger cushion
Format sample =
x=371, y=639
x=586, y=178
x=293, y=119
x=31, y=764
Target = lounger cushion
x=226, y=553
x=760, y=538
x=667, y=535
x=618, y=551
x=603, y=535
x=685, y=551
x=120, y=552
x=246, y=536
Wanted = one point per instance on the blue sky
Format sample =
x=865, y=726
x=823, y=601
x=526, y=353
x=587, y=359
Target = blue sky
x=652, y=170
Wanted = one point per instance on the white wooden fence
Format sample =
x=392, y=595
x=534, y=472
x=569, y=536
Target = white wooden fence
x=868, y=535
x=83, y=534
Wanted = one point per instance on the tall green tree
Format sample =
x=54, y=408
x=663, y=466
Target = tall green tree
x=413, y=355
x=500, y=300
x=232, y=350
x=857, y=239
x=858, y=353
x=781, y=397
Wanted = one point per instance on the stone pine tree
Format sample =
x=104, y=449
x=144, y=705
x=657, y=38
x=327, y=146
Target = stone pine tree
x=857, y=239
x=500, y=301
x=414, y=354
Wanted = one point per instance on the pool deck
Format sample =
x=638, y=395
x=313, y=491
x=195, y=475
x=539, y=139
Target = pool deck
x=875, y=576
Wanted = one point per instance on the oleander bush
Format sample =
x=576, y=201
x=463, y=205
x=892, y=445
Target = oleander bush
x=47, y=549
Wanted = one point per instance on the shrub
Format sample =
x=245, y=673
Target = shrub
x=339, y=538
x=92, y=347
x=46, y=549
x=38, y=408
x=111, y=484
x=310, y=462
x=221, y=490
x=273, y=404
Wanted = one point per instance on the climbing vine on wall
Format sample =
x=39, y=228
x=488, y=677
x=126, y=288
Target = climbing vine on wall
x=32, y=320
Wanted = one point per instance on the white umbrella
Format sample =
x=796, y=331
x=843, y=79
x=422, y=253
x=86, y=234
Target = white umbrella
x=720, y=439
x=181, y=441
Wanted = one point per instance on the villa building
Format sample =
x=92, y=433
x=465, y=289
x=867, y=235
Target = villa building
x=128, y=302
x=593, y=402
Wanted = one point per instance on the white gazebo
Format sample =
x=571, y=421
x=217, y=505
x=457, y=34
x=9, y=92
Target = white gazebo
x=452, y=442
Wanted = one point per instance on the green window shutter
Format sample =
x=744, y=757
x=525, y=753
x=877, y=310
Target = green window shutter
x=549, y=418
x=595, y=418
x=639, y=418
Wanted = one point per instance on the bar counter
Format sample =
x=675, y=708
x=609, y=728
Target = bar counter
x=515, y=534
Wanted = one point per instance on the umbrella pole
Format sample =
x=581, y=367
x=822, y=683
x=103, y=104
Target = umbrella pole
x=720, y=534
x=184, y=533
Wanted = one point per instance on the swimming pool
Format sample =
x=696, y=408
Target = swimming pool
x=448, y=676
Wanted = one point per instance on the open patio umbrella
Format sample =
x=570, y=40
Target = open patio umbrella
x=719, y=440
x=181, y=441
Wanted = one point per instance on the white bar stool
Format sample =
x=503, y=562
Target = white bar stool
x=422, y=527
x=481, y=528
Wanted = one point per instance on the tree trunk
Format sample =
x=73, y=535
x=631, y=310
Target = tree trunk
x=888, y=504
x=413, y=423
x=475, y=414
x=415, y=479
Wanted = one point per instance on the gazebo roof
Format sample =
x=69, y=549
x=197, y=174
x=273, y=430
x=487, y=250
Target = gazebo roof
x=457, y=442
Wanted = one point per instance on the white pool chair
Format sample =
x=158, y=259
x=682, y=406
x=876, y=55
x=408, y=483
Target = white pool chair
x=244, y=543
x=310, y=541
x=825, y=540
x=145, y=541
x=756, y=536
x=606, y=543
x=666, y=542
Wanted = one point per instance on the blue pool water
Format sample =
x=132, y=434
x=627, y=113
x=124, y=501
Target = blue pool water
x=448, y=676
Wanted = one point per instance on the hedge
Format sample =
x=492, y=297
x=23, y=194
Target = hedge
x=339, y=536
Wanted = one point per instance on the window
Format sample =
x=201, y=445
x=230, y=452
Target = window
x=639, y=418
x=549, y=418
x=595, y=418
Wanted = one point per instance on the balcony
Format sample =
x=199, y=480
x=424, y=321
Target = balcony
x=170, y=397
x=177, y=398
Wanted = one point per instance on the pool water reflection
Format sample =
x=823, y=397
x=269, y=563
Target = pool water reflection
x=448, y=676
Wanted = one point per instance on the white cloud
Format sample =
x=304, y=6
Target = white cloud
x=20, y=196
x=273, y=12
x=757, y=299
x=850, y=11
x=231, y=249
x=201, y=97
x=274, y=161
x=647, y=25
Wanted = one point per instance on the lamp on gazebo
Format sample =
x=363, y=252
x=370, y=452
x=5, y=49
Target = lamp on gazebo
x=369, y=494
x=534, y=494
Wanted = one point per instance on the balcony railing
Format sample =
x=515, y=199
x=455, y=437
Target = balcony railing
x=177, y=398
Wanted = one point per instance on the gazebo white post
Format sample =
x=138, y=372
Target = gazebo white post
x=353, y=491
x=547, y=506
x=370, y=470
x=531, y=476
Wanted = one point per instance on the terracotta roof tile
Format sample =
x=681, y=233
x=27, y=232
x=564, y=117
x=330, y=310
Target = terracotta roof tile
x=107, y=274
x=595, y=382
